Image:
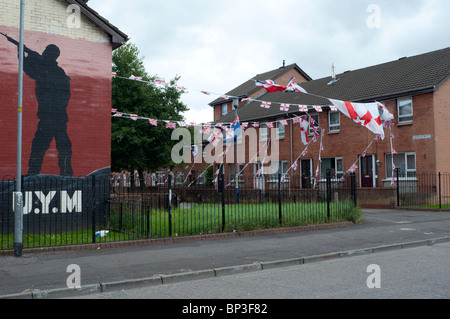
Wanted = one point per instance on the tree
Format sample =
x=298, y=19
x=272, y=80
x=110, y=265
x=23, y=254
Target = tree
x=137, y=145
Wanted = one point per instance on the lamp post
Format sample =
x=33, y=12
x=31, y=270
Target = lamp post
x=18, y=196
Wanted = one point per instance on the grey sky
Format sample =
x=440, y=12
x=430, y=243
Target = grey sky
x=216, y=45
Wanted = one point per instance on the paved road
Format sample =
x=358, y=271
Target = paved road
x=414, y=273
x=48, y=270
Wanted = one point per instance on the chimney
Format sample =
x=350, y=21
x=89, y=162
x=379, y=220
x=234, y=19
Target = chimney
x=333, y=75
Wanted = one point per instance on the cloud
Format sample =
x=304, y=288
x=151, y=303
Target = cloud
x=216, y=45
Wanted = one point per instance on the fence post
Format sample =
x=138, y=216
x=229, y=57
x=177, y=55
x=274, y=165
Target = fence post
x=280, y=212
x=353, y=187
x=222, y=182
x=93, y=209
x=440, y=193
x=170, y=205
x=398, y=186
x=328, y=193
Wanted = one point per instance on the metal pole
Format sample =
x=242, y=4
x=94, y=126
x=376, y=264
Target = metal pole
x=18, y=213
x=236, y=175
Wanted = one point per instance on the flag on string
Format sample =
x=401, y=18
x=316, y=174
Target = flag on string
x=284, y=107
x=266, y=105
x=284, y=122
x=296, y=120
x=304, y=130
x=134, y=117
x=353, y=168
x=215, y=137
x=294, y=87
x=294, y=166
x=333, y=108
x=135, y=78
x=318, y=108
x=303, y=108
x=153, y=122
x=365, y=114
x=314, y=126
x=269, y=125
x=113, y=110
x=255, y=125
x=160, y=81
x=206, y=93
x=248, y=99
x=171, y=125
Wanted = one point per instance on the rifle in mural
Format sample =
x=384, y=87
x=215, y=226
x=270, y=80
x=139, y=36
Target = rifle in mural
x=25, y=49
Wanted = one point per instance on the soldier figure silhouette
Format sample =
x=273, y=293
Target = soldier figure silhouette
x=53, y=96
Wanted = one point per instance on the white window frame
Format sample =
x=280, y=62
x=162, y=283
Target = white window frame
x=405, y=118
x=263, y=132
x=281, y=130
x=333, y=128
x=224, y=109
x=410, y=172
x=282, y=168
x=311, y=131
x=337, y=174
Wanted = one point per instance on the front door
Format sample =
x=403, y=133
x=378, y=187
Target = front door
x=367, y=171
x=306, y=174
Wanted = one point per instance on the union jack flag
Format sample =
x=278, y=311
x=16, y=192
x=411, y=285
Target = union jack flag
x=134, y=117
x=266, y=105
x=255, y=124
x=353, y=168
x=284, y=107
x=171, y=125
x=270, y=125
x=296, y=120
x=284, y=122
x=113, y=110
x=394, y=152
x=153, y=122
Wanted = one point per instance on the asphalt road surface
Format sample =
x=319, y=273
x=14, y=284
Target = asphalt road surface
x=413, y=273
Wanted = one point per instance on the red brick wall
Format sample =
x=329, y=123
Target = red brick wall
x=88, y=64
x=442, y=118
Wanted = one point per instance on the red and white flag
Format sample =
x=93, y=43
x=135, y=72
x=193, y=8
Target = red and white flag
x=266, y=105
x=284, y=107
x=365, y=114
x=270, y=86
x=303, y=108
x=304, y=130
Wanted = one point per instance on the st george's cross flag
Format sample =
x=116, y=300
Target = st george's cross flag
x=270, y=86
x=365, y=114
x=304, y=130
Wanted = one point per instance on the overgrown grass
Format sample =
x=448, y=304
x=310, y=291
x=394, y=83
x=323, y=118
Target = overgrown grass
x=195, y=219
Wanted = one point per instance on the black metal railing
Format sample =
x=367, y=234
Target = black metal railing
x=424, y=190
x=66, y=211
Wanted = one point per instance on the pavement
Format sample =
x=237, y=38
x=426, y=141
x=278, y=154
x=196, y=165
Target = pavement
x=47, y=273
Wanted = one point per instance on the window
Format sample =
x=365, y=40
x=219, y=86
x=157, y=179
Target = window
x=405, y=162
x=282, y=169
x=264, y=132
x=334, y=120
x=405, y=110
x=224, y=109
x=336, y=164
x=315, y=117
x=281, y=130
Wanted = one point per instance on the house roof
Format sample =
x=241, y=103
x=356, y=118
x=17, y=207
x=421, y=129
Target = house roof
x=248, y=88
x=404, y=77
x=118, y=38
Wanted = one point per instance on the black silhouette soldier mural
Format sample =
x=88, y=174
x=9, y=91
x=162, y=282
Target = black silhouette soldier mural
x=53, y=96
